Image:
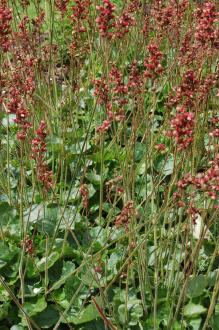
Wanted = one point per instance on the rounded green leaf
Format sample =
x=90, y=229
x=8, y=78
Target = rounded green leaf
x=47, y=318
x=193, y=310
x=47, y=262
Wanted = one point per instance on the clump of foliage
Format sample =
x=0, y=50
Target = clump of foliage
x=109, y=165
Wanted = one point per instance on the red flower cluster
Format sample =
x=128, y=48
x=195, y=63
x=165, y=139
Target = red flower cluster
x=5, y=25
x=115, y=186
x=20, y=83
x=119, y=90
x=153, y=62
x=186, y=92
x=116, y=116
x=104, y=127
x=185, y=181
x=207, y=84
x=125, y=21
x=161, y=147
x=182, y=128
x=215, y=130
x=39, y=155
x=207, y=17
x=19, y=88
x=114, y=93
x=85, y=195
x=135, y=81
x=101, y=91
x=118, y=87
x=207, y=182
x=168, y=16
x=25, y=3
x=111, y=26
x=124, y=217
x=27, y=243
x=105, y=20
x=62, y=5
x=79, y=14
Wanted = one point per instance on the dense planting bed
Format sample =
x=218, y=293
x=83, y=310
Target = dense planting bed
x=109, y=165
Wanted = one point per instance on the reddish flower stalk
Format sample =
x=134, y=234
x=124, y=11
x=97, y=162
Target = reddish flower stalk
x=161, y=147
x=114, y=186
x=80, y=12
x=206, y=30
x=206, y=85
x=124, y=23
x=124, y=217
x=39, y=155
x=186, y=93
x=19, y=86
x=106, y=19
x=135, y=81
x=5, y=26
x=25, y=3
x=204, y=182
x=118, y=87
x=28, y=245
x=153, y=62
x=101, y=91
x=114, y=92
x=62, y=6
x=182, y=128
x=104, y=127
x=85, y=195
x=169, y=17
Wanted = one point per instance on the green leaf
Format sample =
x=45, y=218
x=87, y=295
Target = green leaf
x=100, y=236
x=9, y=120
x=193, y=310
x=93, y=325
x=8, y=255
x=46, y=217
x=135, y=311
x=47, y=318
x=4, y=308
x=35, y=306
x=215, y=322
x=47, y=261
x=139, y=151
x=168, y=167
x=35, y=213
x=67, y=269
x=59, y=297
x=165, y=166
x=78, y=148
x=71, y=285
x=89, y=279
x=2, y=264
x=195, y=324
x=10, y=224
x=87, y=314
x=17, y=327
x=114, y=259
x=163, y=310
x=94, y=178
x=177, y=326
x=211, y=278
x=135, y=314
x=32, y=290
x=196, y=286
